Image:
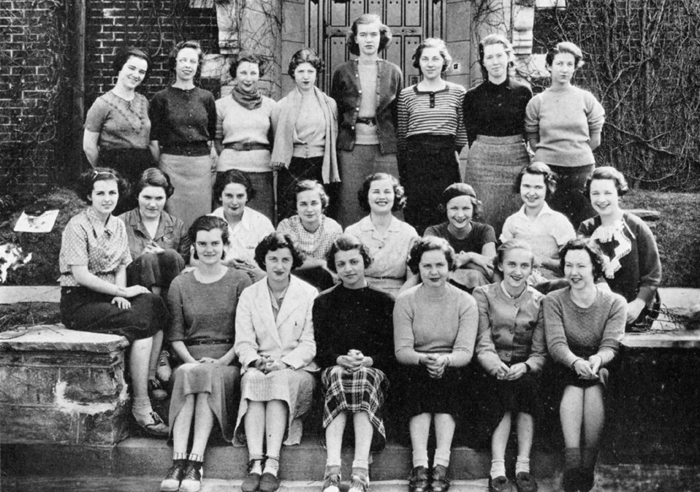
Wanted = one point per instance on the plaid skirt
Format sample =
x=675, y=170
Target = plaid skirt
x=361, y=391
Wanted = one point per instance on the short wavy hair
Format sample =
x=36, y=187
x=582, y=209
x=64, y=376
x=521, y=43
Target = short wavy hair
x=250, y=57
x=305, y=55
x=608, y=172
x=273, y=242
x=124, y=54
x=538, y=169
x=172, y=56
x=432, y=43
x=384, y=33
x=312, y=185
x=430, y=243
x=156, y=178
x=208, y=223
x=568, y=48
x=491, y=40
x=399, y=192
x=590, y=247
x=86, y=182
x=510, y=245
x=232, y=176
x=347, y=242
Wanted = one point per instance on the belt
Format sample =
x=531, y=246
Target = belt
x=189, y=149
x=246, y=146
x=367, y=121
x=209, y=342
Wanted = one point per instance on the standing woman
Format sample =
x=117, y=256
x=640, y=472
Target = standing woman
x=494, y=116
x=366, y=90
x=305, y=123
x=431, y=134
x=563, y=125
x=184, y=126
x=243, y=130
x=117, y=127
x=203, y=306
x=94, y=296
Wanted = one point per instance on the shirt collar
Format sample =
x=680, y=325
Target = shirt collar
x=366, y=224
x=110, y=226
x=546, y=210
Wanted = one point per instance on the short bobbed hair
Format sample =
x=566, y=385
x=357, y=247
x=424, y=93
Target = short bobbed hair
x=384, y=33
x=250, y=57
x=305, y=55
x=86, y=183
x=510, y=245
x=347, y=242
x=233, y=176
x=124, y=54
x=538, y=169
x=590, y=247
x=172, y=57
x=608, y=172
x=461, y=189
x=156, y=178
x=208, y=223
x=399, y=193
x=430, y=243
x=273, y=242
x=491, y=40
x=312, y=185
x=432, y=43
x=568, y=48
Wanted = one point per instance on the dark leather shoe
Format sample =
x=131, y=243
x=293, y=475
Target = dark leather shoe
x=191, y=479
x=252, y=481
x=438, y=479
x=269, y=483
x=171, y=482
x=499, y=484
x=525, y=483
x=570, y=480
x=418, y=481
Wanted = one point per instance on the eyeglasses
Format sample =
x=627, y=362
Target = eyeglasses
x=188, y=61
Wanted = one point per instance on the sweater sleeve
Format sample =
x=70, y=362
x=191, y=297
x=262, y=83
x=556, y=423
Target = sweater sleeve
x=470, y=124
x=649, y=262
x=614, y=330
x=157, y=117
x=595, y=114
x=96, y=116
x=384, y=354
x=507, y=233
x=532, y=116
x=485, y=349
x=402, y=129
x=176, y=304
x=538, y=349
x=463, y=348
x=325, y=355
x=404, y=339
x=554, y=331
x=220, y=119
x=461, y=138
x=211, y=115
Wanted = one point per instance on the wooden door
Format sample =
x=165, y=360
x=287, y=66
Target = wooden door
x=410, y=22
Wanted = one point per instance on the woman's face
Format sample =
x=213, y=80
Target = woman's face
x=496, y=61
x=604, y=197
x=578, y=269
x=431, y=63
x=434, y=269
x=305, y=76
x=247, y=76
x=310, y=209
x=381, y=196
x=133, y=72
x=151, y=201
x=104, y=196
x=516, y=267
x=209, y=246
x=278, y=264
x=233, y=199
x=187, y=64
x=533, y=190
x=368, y=38
x=351, y=268
x=562, y=68
x=460, y=211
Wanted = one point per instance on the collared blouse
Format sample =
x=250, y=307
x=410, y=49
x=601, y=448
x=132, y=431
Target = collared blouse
x=313, y=244
x=171, y=234
x=246, y=235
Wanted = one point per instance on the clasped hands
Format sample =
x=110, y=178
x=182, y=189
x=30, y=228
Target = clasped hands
x=512, y=373
x=435, y=363
x=588, y=369
x=354, y=361
x=266, y=365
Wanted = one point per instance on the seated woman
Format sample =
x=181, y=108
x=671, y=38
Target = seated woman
x=583, y=327
x=389, y=240
x=511, y=348
x=474, y=242
x=545, y=230
x=312, y=232
x=435, y=327
x=246, y=227
x=94, y=297
x=275, y=345
x=354, y=336
x=203, y=306
x=632, y=263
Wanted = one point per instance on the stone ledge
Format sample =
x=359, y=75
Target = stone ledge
x=55, y=338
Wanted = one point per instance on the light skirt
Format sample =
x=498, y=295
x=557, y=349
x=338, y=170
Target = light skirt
x=192, y=178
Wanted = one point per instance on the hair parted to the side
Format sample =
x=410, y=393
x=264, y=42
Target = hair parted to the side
x=347, y=242
x=172, y=57
x=568, y=48
x=156, y=178
x=432, y=43
x=399, y=193
x=86, y=182
x=124, y=54
x=233, y=176
x=430, y=243
x=273, y=242
x=208, y=223
x=491, y=40
x=538, y=169
x=305, y=55
x=510, y=245
x=313, y=185
x=250, y=57
x=384, y=33
x=608, y=172
x=590, y=247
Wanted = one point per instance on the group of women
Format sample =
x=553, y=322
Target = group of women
x=249, y=332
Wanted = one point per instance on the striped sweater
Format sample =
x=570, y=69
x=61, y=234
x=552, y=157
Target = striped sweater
x=434, y=113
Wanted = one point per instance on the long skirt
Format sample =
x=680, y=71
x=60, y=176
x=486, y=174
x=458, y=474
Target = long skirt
x=299, y=169
x=192, y=178
x=158, y=269
x=428, y=166
x=355, y=166
x=86, y=310
x=361, y=391
x=419, y=393
x=294, y=387
x=570, y=197
x=130, y=163
x=220, y=383
x=493, y=165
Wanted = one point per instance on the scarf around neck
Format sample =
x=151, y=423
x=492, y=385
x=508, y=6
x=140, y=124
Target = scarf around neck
x=615, y=245
x=249, y=100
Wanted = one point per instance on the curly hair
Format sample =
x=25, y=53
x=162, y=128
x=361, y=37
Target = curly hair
x=312, y=185
x=124, y=54
x=250, y=57
x=233, y=176
x=608, y=172
x=538, y=169
x=492, y=40
x=305, y=55
x=510, y=245
x=172, y=56
x=208, y=223
x=432, y=43
x=430, y=243
x=157, y=178
x=590, y=247
x=347, y=242
x=86, y=182
x=399, y=193
x=568, y=48
x=384, y=33
x=273, y=242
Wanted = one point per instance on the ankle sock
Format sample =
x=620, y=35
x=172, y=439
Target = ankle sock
x=257, y=460
x=196, y=460
x=141, y=409
x=272, y=465
x=522, y=465
x=332, y=467
x=589, y=457
x=420, y=458
x=442, y=457
x=498, y=468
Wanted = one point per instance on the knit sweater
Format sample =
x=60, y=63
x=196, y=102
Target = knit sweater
x=574, y=332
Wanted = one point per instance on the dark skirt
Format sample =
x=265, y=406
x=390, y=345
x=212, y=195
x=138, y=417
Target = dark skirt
x=130, y=163
x=86, y=310
x=158, y=269
x=428, y=166
x=570, y=196
x=287, y=178
x=567, y=377
x=419, y=393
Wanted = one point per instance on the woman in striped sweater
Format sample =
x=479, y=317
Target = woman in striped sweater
x=431, y=134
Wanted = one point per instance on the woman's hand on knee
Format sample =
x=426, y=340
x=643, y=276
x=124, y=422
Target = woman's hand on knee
x=516, y=371
x=277, y=365
x=121, y=303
